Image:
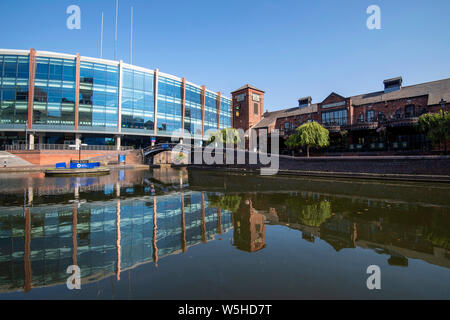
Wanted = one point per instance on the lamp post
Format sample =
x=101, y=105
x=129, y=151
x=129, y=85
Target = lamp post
x=79, y=150
x=26, y=134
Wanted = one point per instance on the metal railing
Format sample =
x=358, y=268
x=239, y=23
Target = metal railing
x=38, y=147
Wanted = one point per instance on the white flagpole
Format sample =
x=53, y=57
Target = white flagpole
x=115, y=36
x=131, y=38
x=101, y=39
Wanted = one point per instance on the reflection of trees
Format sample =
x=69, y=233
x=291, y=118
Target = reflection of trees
x=226, y=202
x=310, y=214
x=438, y=239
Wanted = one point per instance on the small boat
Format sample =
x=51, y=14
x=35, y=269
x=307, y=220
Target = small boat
x=78, y=168
x=77, y=172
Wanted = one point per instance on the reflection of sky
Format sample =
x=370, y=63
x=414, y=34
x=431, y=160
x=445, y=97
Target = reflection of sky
x=82, y=182
x=109, y=189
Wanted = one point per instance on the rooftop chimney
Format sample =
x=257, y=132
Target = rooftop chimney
x=393, y=84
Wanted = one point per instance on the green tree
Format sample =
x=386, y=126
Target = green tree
x=311, y=134
x=225, y=136
x=436, y=126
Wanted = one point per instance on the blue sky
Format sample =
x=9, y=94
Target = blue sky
x=290, y=49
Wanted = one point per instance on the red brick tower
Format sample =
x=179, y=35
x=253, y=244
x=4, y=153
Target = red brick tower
x=248, y=107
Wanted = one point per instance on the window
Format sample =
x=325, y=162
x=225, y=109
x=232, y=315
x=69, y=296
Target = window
x=169, y=104
x=287, y=126
x=137, y=100
x=370, y=116
x=99, y=94
x=381, y=116
x=193, y=110
x=409, y=111
x=240, y=97
x=256, y=108
x=361, y=117
x=335, y=117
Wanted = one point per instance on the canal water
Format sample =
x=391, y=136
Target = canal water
x=174, y=234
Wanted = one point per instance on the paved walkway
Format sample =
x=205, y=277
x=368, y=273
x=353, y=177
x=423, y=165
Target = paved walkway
x=12, y=160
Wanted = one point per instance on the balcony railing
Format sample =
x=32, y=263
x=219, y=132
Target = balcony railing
x=39, y=147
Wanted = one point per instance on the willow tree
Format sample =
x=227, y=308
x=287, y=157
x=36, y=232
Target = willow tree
x=436, y=126
x=311, y=134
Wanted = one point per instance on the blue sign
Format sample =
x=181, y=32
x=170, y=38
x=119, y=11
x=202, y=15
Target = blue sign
x=61, y=165
x=121, y=158
x=76, y=165
x=165, y=146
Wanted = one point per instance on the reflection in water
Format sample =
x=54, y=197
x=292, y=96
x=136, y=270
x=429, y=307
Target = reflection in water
x=105, y=238
x=107, y=225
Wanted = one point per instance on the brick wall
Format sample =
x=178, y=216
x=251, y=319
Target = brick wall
x=389, y=108
x=51, y=157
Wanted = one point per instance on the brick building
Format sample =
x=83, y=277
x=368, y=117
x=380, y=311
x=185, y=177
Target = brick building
x=377, y=121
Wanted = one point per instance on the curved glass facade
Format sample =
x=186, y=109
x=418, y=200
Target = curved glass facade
x=111, y=97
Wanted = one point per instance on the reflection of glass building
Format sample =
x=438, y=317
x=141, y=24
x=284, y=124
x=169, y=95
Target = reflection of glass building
x=60, y=97
x=103, y=239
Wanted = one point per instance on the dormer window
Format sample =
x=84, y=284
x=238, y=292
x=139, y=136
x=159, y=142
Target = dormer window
x=304, y=102
x=393, y=84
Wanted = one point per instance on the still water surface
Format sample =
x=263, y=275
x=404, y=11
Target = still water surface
x=170, y=234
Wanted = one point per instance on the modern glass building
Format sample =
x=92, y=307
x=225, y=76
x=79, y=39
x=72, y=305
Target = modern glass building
x=53, y=98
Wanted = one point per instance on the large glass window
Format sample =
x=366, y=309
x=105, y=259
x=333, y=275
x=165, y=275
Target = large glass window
x=210, y=111
x=54, y=91
x=13, y=89
x=193, y=110
x=99, y=95
x=335, y=117
x=225, y=113
x=169, y=105
x=138, y=105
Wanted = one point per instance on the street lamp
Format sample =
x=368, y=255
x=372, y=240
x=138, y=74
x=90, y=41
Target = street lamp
x=79, y=150
x=26, y=134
